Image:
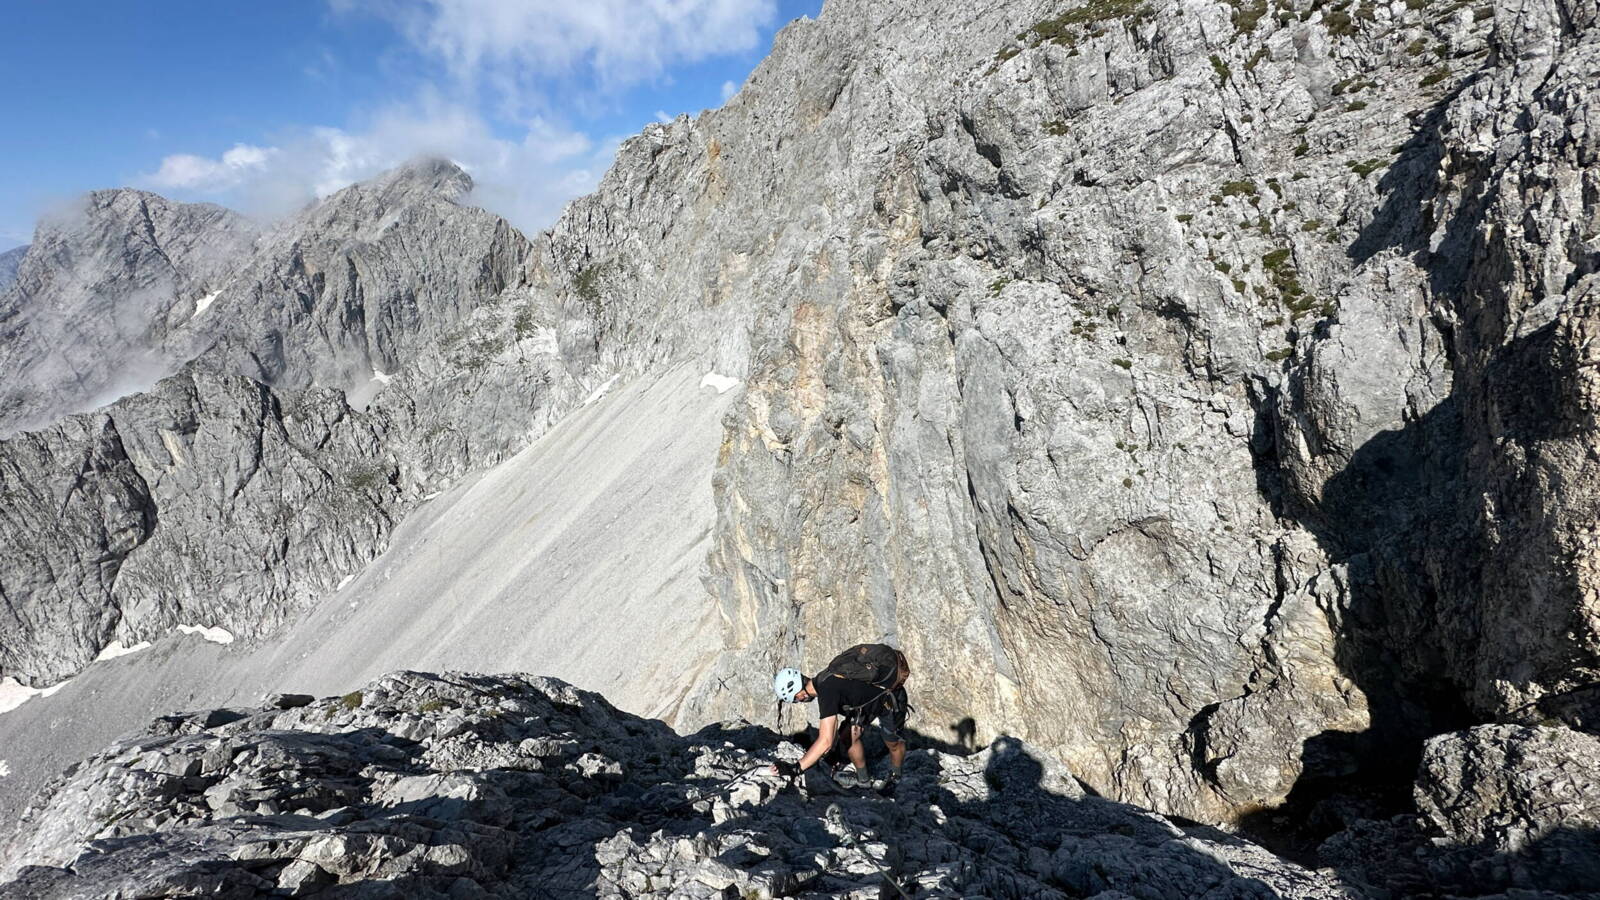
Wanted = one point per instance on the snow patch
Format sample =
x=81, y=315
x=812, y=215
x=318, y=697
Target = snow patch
x=381, y=376
x=14, y=693
x=602, y=390
x=345, y=582
x=216, y=635
x=5, y=768
x=719, y=383
x=115, y=649
x=204, y=303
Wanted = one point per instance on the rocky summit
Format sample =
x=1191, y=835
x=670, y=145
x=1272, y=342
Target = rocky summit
x=1202, y=394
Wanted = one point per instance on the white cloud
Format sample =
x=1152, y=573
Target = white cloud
x=184, y=171
x=728, y=90
x=527, y=179
x=618, y=41
x=532, y=56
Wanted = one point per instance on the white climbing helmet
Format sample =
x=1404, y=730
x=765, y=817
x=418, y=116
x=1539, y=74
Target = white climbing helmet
x=787, y=683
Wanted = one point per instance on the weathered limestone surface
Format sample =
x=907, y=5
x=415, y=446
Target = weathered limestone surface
x=1501, y=808
x=512, y=786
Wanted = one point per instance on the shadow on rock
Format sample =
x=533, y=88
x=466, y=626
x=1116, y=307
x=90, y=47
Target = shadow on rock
x=459, y=786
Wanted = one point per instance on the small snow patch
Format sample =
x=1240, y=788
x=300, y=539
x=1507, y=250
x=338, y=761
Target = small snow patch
x=381, y=376
x=602, y=390
x=719, y=383
x=115, y=649
x=216, y=635
x=204, y=303
x=5, y=768
x=14, y=693
x=345, y=582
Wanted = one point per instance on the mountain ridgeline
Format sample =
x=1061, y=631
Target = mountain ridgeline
x=1202, y=392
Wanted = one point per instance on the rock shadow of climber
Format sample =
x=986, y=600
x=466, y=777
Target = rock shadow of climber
x=966, y=732
x=1031, y=832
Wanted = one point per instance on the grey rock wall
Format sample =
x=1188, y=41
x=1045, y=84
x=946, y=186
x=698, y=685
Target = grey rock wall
x=204, y=501
x=1115, y=363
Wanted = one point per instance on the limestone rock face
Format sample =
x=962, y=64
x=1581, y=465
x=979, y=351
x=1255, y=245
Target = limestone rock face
x=1133, y=369
x=101, y=289
x=511, y=786
x=238, y=505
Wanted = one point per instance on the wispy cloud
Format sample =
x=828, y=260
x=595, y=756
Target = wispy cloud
x=527, y=179
x=495, y=74
x=187, y=172
x=513, y=43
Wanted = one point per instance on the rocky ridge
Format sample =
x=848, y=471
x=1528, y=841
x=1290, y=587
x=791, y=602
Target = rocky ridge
x=422, y=785
x=457, y=785
x=102, y=286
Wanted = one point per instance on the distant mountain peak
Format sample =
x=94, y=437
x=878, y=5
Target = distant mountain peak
x=431, y=174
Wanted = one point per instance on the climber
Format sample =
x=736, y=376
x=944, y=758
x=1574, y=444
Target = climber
x=863, y=683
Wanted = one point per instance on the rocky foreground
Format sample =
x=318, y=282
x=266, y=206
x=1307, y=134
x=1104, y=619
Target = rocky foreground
x=458, y=785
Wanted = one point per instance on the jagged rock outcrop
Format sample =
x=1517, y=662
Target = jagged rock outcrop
x=9, y=261
x=206, y=500
x=468, y=786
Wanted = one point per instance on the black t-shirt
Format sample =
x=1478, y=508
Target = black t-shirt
x=834, y=693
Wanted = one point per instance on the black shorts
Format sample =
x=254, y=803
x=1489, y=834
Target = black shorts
x=890, y=711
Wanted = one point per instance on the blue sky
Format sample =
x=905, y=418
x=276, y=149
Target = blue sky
x=263, y=105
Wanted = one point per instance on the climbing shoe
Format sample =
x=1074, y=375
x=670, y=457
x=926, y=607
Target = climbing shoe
x=888, y=786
